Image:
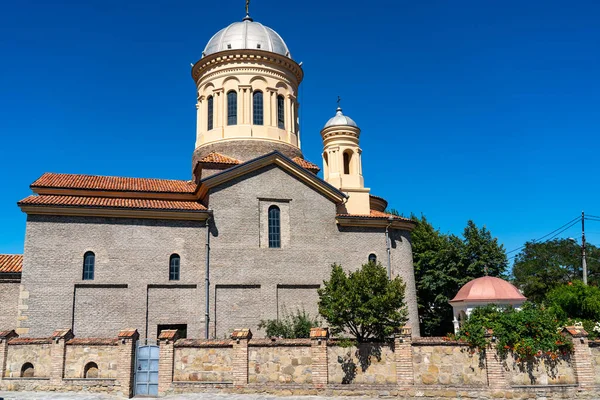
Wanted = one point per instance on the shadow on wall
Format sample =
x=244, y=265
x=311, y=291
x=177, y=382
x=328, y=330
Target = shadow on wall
x=363, y=354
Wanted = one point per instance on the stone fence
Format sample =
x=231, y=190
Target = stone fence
x=405, y=367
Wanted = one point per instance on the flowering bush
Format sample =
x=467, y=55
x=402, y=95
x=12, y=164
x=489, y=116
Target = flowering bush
x=529, y=334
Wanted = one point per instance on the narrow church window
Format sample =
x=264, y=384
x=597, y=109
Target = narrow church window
x=274, y=227
x=174, y=267
x=27, y=370
x=280, y=112
x=372, y=258
x=91, y=370
x=347, y=157
x=257, y=111
x=89, y=261
x=209, y=115
x=232, y=108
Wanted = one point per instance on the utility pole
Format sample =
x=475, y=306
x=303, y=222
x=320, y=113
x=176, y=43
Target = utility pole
x=583, y=261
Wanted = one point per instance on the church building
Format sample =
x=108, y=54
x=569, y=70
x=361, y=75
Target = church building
x=251, y=236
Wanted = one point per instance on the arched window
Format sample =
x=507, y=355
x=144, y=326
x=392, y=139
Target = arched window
x=325, y=165
x=209, y=113
x=231, y=107
x=174, y=267
x=89, y=263
x=257, y=108
x=372, y=258
x=280, y=112
x=27, y=370
x=274, y=227
x=347, y=158
x=91, y=370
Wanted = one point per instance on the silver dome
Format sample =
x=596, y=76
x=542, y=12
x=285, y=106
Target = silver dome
x=247, y=34
x=340, y=120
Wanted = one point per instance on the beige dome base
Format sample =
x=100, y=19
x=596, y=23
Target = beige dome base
x=245, y=150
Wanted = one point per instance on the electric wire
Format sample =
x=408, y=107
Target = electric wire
x=570, y=223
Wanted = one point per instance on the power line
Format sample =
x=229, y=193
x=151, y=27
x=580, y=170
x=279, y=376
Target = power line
x=570, y=223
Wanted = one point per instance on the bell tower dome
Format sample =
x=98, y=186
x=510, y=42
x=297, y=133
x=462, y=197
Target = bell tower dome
x=247, y=85
x=342, y=164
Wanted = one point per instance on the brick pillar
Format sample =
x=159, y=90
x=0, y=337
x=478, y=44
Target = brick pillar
x=240, y=337
x=166, y=359
x=403, y=352
x=582, y=357
x=58, y=348
x=318, y=351
x=5, y=336
x=125, y=368
x=493, y=365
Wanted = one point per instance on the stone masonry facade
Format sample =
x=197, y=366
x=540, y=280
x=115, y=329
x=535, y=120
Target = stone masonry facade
x=319, y=365
x=249, y=281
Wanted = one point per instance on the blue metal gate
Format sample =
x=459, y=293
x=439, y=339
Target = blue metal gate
x=146, y=368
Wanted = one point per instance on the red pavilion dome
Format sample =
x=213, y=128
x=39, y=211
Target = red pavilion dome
x=488, y=289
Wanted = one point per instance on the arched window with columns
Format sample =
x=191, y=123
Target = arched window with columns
x=209, y=112
x=232, y=107
x=280, y=112
x=347, y=161
x=257, y=108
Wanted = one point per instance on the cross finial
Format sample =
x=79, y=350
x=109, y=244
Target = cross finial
x=339, y=100
x=247, y=7
x=485, y=270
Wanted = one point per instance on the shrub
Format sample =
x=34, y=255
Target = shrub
x=290, y=326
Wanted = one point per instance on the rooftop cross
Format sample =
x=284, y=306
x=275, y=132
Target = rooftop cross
x=247, y=7
x=339, y=100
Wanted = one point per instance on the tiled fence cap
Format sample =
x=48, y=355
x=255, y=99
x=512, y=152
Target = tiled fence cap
x=575, y=331
x=319, y=333
x=241, y=334
x=129, y=334
x=168, y=334
x=63, y=334
x=5, y=335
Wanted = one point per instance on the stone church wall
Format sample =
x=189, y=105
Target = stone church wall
x=131, y=275
x=104, y=354
x=560, y=372
x=284, y=363
x=202, y=361
x=595, y=352
x=369, y=363
x=35, y=352
x=275, y=276
x=9, y=302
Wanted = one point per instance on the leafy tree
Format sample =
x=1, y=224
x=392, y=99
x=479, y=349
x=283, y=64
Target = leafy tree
x=576, y=302
x=444, y=263
x=540, y=267
x=364, y=303
x=291, y=326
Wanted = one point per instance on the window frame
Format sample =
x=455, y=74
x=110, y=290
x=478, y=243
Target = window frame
x=372, y=255
x=258, y=108
x=280, y=112
x=232, y=107
x=174, y=269
x=89, y=268
x=274, y=227
x=210, y=108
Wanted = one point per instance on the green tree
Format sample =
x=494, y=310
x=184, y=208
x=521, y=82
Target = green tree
x=364, y=303
x=540, y=267
x=576, y=302
x=444, y=263
x=290, y=326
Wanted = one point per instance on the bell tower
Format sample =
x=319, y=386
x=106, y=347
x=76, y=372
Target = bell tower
x=342, y=165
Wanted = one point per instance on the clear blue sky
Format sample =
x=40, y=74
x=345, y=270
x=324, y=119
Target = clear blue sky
x=483, y=110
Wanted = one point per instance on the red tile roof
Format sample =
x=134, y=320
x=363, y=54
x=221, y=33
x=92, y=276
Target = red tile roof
x=306, y=164
x=91, y=182
x=216, y=158
x=376, y=215
x=111, y=202
x=11, y=263
x=93, y=342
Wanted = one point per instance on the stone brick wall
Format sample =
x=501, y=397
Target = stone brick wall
x=365, y=364
x=36, y=353
x=279, y=364
x=238, y=262
x=203, y=364
x=447, y=364
x=79, y=355
x=595, y=351
x=545, y=373
x=9, y=301
x=132, y=255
